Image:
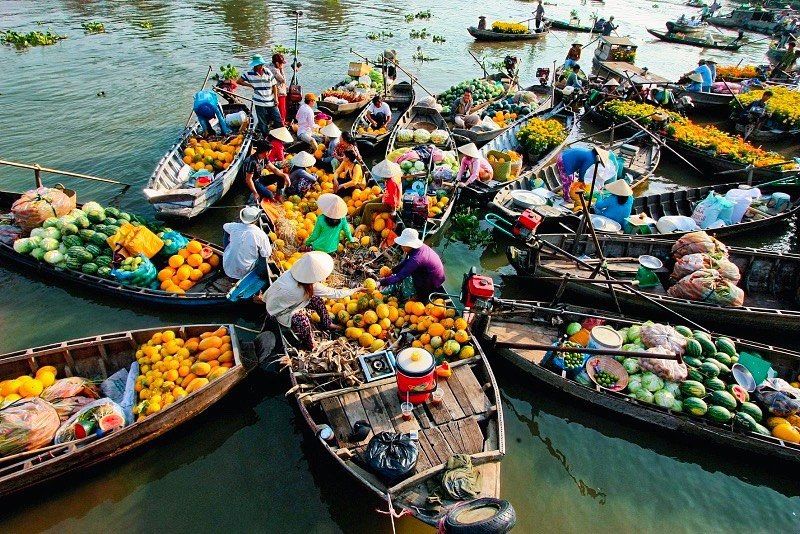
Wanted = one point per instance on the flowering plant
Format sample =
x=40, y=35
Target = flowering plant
x=729, y=72
x=509, y=27
x=783, y=107
x=538, y=136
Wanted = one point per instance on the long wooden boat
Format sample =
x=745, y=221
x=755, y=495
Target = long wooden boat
x=491, y=35
x=485, y=191
x=210, y=291
x=765, y=133
x=678, y=27
x=701, y=42
x=756, y=20
x=714, y=164
x=400, y=98
x=515, y=322
x=167, y=188
x=566, y=26
x=770, y=280
x=98, y=357
x=705, y=101
x=641, y=159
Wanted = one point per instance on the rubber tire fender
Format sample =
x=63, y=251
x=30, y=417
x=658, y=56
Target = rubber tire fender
x=501, y=522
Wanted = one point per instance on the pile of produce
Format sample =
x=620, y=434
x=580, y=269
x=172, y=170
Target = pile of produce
x=623, y=54
x=213, y=156
x=342, y=96
x=413, y=160
x=735, y=73
x=506, y=110
x=364, y=129
x=172, y=367
x=500, y=26
x=703, y=271
x=187, y=267
x=421, y=136
x=539, y=136
x=482, y=91
x=783, y=108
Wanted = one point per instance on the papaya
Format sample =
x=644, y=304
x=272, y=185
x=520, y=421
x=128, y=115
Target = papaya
x=191, y=344
x=210, y=342
x=226, y=365
x=219, y=332
x=196, y=384
x=225, y=339
x=201, y=369
x=217, y=372
x=209, y=354
x=188, y=380
x=786, y=432
x=213, y=364
x=225, y=347
x=225, y=357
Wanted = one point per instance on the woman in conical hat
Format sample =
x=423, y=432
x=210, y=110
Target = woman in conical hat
x=330, y=225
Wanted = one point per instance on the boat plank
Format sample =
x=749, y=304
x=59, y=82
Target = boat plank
x=354, y=411
x=376, y=412
x=471, y=433
x=338, y=420
x=438, y=444
x=427, y=457
x=490, y=477
x=422, y=416
x=477, y=398
x=452, y=433
x=449, y=401
x=391, y=402
x=461, y=395
x=524, y=333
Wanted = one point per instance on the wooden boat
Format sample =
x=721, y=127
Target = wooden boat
x=485, y=191
x=679, y=27
x=210, y=291
x=614, y=57
x=167, y=188
x=97, y=357
x=491, y=35
x=343, y=110
x=764, y=133
x=470, y=421
x=719, y=103
x=641, y=159
x=702, y=42
x=400, y=98
x=770, y=280
x=744, y=18
x=568, y=26
x=696, y=3
x=518, y=322
x=715, y=164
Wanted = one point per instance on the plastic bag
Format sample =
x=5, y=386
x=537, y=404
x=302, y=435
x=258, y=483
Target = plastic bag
x=142, y=277
x=74, y=386
x=173, y=242
x=27, y=425
x=527, y=97
x=391, y=456
x=676, y=223
x=67, y=407
x=443, y=173
x=671, y=370
x=711, y=209
x=664, y=336
x=88, y=417
x=699, y=242
x=136, y=240
x=35, y=206
x=707, y=285
x=776, y=401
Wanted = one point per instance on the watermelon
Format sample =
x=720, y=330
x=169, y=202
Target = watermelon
x=694, y=406
x=761, y=429
x=744, y=420
x=72, y=241
x=724, y=399
x=692, y=388
x=103, y=261
x=705, y=342
x=738, y=392
x=72, y=263
x=111, y=221
x=104, y=271
x=112, y=212
x=726, y=345
x=719, y=414
x=714, y=384
x=723, y=358
x=694, y=349
x=99, y=239
x=708, y=369
x=692, y=361
x=694, y=374
x=752, y=410
x=684, y=331
x=94, y=250
x=89, y=268
x=87, y=234
x=124, y=216
x=723, y=369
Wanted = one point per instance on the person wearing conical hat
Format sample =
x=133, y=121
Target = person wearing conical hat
x=473, y=166
x=617, y=203
x=256, y=181
x=247, y=245
x=300, y=180
x=278, y=139
x=265, y=94
x=392, y=197
x=330, y=225
x=330, y=138
x=421, y=263
x=301, y=288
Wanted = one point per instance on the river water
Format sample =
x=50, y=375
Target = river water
x=246, y=464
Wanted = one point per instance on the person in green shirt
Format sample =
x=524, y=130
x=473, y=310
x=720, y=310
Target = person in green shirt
x=330, y=225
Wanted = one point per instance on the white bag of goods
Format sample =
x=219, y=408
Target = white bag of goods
x=421, y=136
x=489, y=124
x=37, y=205
x=27, y=425
x=405, y=135
x=711, y=209
x=676, y=223
x=670, y=370
x=528, y=97
x=604, y=174
x=699, y=242
x=708, y=285
x=102, y=415
x=664, y=336
x=741, y=198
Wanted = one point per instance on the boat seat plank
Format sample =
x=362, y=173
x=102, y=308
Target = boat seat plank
x=490, y=478
x=477, y=398
x=523, y=333
x=376, y=412
x=450, y=402
x=388, y=394
x=471, y=434
x=422, y=416
x=338, y=420
x=461, y=395
x=438, y=445
x=354, y=411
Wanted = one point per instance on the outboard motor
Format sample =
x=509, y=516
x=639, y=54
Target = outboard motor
x=543, y=75
x=477, y=291
x=526, y=224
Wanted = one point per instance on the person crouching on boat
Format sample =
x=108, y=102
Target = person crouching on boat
x=207, y=107
x=331, y=134
x=461, y=108
x=246, y=245
x=379, y=114
x=573, y=55
x=473, y=166
x=577, y=159
x=278, y=139
x=305, y=121
x=253, y=168
x=300, y=180
x=300, y=290
x=330, y=225
x=392, y=197
x=421, y=263
x=575, y=77
x=349, y=175
x=616, y=203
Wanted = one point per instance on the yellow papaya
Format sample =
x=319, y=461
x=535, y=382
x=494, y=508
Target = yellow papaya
x=191, y=344
x=217, y=372
x=196, y=384
x=225, y=339
x=772, y=422
x=225, y=347
x=213, y=364
x=786, y=432
x=187, y=380
x=209, y=354
x=226, y=356
x=210, y=342
x=219, y=332
x=201, y=369
x=794, y=420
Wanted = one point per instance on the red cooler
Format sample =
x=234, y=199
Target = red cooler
x=416, y=377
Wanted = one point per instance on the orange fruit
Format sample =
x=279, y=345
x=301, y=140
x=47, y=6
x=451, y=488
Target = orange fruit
x=186, y=284
x=194, y=260
x=175, y=261
x=184, y=271
x=418, y=309
x=196, y=275
x=213, y=260
x=165, y=274
x=205, y=268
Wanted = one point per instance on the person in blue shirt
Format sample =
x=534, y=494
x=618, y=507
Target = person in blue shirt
x=696, y=84
x=575, y=77
x=705, y=75
x=617, y=203
x=206, y=107
x=573, y=160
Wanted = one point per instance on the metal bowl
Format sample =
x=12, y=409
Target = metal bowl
x=651, y=262
x=743, y=377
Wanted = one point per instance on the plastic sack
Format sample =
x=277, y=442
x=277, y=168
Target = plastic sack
x=67, y=407
x=89, y=417
x=488, y=124
x=707, y=285
x=141, y=277
x=713, y=208
x=676, y=223
x=36, y=205
x=443, y=173
x=173, y=242
x=694, y=262
x=664, y=336
x=726, y=88
x=699, y=242
x=777, y=402
x=527, y=97
x=742, y=199
x=671, y=370
x=27, y=425
x=74, y=386
x=391, y=456
x=136, y=240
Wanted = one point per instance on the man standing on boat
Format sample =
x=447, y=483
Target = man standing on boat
x=704, y=72
x=609, y=26
x=539, y=13
x=247, y=246
x=265, y=94
x=786, y=62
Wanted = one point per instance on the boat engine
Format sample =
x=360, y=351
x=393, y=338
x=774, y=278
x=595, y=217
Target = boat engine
x=477, y=291
x=526, y=224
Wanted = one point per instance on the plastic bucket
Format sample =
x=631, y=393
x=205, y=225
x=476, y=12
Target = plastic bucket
x=604, y=337
x=416, y=375
x=501, y=169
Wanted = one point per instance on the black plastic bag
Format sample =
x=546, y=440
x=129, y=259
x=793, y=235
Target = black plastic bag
x=391, y=456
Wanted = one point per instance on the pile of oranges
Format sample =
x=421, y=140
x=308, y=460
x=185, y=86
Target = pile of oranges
x=436, y=207
x=187, y=267
x=26, y=386
x=212, y=156
x=502, y=118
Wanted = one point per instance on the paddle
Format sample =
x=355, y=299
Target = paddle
x=205, y=81
x=480, y=64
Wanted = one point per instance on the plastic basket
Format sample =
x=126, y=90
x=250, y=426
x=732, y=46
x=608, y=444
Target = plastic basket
x=502, y=169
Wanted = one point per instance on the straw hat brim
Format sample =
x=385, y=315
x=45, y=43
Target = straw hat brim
x=312, y=267
x=303, y=159
x=387, y=169
x=619, y=188
x=332, y=205
x=282, y=134
x=331, y=130
x=470, y=150
x=602, y=154
x=640, y=219
x=612, y=82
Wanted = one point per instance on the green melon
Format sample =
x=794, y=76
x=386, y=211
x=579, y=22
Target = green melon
x=684, y=331
x=726, y=345
x=709, y=349
x=691, y=361
x=72, y=241
x=708, y=369
x=89, y=268
x=694, y=374
x=92, y=249
x=723, y=398
x=752, y=410
x=714, y=384
x=723, y=358
x=744, y=420
x=719, y=414
x=693, y=348
x=99, y=239
x=692, y=388
x=694, y=406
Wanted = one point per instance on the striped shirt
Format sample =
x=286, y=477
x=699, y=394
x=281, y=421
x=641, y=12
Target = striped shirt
x=262, y=87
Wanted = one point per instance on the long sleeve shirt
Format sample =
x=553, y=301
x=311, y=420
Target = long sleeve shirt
x=325, y=237
x=305, y=120
x=285, y=297
x=609, y=206
x=424, y=267
x=392, y=195
x=247, y=244
x=472, y=167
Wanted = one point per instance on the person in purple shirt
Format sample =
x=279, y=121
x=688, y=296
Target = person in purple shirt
x=422, y=264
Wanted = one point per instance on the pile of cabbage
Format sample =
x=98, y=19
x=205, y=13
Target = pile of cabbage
x=420, y=136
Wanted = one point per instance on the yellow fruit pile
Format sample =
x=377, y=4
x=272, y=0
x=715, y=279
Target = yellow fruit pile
x=438, y=330
x=172, y=367
x=187, y=267
x=26, y=386
x=787, y=429
x=436, y=207
x=369, y=130
x=212, y=156
x=502, y=118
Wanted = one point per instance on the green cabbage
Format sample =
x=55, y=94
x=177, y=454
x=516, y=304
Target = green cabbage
x=23, y=245
x=677, y=406
x=48, y=243
x=634, y=383
x=652, y=382
x=38, y=253
x=673, y=388
x=92, y=206
x=633, y=333
x=644, y=395
x=53, y=257
x=664, y=398
x=631, y=365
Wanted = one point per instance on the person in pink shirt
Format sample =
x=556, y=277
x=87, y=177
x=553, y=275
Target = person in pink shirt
x=473, y=166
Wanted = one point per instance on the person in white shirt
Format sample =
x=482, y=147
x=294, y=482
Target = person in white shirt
x=248, y=246
x=305, y=121
x=378, y=112
x=301, y=288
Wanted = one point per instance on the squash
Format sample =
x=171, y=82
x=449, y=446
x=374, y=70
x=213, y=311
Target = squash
x=772, y=422
x=191, y=344
x=217, y=372
x=209, y=342
x=188, y=380
x=219, y=332
x=225, y=357
x=196, y=384
x=786, y=432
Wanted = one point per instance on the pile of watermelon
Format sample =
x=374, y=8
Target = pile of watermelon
x=482, y=91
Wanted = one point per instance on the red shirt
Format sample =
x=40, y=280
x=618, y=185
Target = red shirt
x=392, y=196
x=276, y=152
